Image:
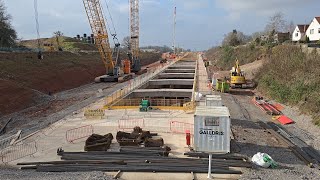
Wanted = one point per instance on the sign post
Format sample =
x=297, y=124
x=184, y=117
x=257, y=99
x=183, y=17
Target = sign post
x=209, y=168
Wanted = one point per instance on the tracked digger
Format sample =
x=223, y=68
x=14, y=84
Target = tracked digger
x=237, y=79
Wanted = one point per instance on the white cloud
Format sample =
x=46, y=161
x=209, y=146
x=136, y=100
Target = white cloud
x=259, y=7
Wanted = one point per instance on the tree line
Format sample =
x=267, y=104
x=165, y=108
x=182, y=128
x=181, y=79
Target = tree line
x=8, y=35
x=276, y=23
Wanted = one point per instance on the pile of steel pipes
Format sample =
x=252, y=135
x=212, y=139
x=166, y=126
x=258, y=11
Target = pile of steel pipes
x=134, y=159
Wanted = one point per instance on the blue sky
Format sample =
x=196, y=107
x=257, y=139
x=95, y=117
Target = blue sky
x=201, y=24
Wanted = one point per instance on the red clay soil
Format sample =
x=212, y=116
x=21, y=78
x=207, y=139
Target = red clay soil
x=58, y=71
x=13, y=97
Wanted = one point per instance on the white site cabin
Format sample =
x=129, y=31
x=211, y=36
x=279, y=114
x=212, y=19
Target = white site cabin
x=313, y=32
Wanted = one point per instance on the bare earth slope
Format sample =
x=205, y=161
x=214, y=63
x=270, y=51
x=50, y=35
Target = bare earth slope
x=25, y=80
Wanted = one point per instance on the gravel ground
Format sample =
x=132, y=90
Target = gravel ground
x=63, y=104
x=251, y=138
x=11, y=174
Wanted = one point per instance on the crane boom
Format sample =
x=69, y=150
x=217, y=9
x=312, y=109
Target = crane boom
x=98, y=26
x=134, y=34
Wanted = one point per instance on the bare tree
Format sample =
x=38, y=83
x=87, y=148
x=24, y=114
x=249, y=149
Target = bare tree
x=276, y=22
x=126, y=42
x=7, y=34
x=290, y=27
x=58, y=33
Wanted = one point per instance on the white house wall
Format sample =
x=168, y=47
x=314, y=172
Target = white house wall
x=294, y=37
x=316, y=28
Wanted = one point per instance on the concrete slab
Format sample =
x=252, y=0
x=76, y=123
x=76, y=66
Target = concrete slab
x=161, y=82
x=176, y=75
x=140, y=93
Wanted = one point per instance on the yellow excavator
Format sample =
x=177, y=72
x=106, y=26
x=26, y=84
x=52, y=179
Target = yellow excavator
x=237, y=79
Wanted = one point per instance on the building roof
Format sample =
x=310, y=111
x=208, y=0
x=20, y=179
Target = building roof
x=303, y=27
x=318, y=19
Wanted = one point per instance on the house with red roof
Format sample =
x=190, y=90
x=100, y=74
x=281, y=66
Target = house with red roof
x=313, y=31
x=299, y=32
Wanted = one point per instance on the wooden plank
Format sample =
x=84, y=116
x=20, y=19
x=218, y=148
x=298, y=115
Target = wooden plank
x=26, y=137
x=116, y=176
x=17, y=136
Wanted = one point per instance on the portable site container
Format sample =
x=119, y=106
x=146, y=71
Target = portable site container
x=212, y=129
x=213, y=100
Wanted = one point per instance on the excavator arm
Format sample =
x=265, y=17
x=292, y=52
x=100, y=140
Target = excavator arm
x=99, y=30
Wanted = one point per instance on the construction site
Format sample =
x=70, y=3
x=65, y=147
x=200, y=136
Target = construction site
x=144, y=117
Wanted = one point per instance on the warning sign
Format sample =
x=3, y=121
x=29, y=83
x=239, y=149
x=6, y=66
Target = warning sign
x=90, y=113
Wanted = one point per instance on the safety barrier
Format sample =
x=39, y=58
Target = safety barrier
x=124, y=124
x=4, y=143
x=79, y=133
x=18, y=151
x=189, y=106
x=181, y=127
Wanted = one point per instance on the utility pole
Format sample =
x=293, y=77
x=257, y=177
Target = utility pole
x=174, y=30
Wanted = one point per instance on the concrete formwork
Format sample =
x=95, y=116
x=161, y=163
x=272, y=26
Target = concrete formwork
x=161, y=82
x=176, y=76
x=140, y=93
x=182, y=67
x=179, y=71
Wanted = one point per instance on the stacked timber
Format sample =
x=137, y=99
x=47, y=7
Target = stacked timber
x=134, y=159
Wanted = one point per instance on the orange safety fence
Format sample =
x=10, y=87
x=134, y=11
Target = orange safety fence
x=181, y=127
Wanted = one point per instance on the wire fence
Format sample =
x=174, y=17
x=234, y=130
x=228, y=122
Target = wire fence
x=18, y=151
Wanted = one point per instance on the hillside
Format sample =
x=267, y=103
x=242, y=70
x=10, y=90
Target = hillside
x=285, y=73
x=292, y=77
x=224, y=57
x=25, y=81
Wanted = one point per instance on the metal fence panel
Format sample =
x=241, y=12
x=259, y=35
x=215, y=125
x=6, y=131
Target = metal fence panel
x=130, y=123
x=18, y=151
x=181, y=127
x=79, y=133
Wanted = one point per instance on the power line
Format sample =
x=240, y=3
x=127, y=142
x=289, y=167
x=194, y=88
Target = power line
x=36, y=16
x=111, y=19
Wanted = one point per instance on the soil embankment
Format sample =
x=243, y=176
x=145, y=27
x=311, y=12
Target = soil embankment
x=26, y=81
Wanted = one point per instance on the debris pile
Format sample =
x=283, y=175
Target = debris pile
x=98, y=142
x=139, y=137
